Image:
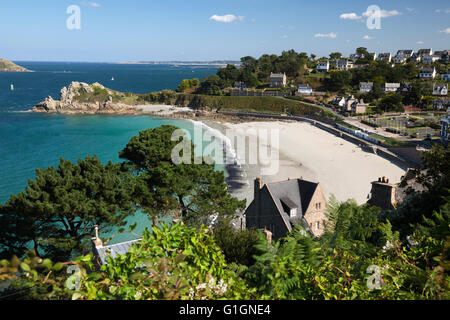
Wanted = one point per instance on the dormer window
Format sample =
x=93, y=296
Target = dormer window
x=289, y=207
x=293, y=212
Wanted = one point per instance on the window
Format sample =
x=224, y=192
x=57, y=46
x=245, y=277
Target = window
x=317, y=225
x=318, y=205
x=293, y=212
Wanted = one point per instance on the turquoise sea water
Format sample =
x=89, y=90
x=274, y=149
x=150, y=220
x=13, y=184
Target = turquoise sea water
x=34, y=140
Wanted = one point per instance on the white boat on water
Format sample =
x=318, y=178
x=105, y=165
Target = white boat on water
x=12, y=87
x=112, y=79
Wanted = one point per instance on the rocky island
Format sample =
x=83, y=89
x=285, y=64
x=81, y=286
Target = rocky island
x=8, y=66
x=81, y=97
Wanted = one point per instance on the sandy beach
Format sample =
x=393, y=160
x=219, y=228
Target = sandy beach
x=341, y=167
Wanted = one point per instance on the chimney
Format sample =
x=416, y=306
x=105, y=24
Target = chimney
x=268, y=235
x=96, y=240
x=383, y=195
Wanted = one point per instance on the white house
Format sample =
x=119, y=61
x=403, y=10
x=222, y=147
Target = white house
x=440, y=90
x=446, y=76
x=340, y=101
x=400, y=58
x=428, y=59
x=304, y=89
x=425, y=52
x=354, y=56
x=415, y=58
x=387, y=57
x=427, y=73
x=344, y=64
x=365, y=86
x=391, y=87
x=323, y=65
x=407, y=53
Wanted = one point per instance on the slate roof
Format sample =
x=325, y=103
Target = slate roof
x=113, y=249
x=296, y=193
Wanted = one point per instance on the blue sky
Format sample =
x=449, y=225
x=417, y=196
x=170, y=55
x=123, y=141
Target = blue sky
x=138, y=30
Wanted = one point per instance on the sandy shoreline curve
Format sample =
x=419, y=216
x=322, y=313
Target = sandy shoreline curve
x=342, y=168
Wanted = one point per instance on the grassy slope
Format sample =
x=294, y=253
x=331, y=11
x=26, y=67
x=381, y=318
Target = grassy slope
x=255, y=104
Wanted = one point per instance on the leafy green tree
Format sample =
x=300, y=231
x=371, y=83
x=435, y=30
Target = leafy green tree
x=170, y=263
x=187, y=84
x=392, y=102
x=57, y=213
x=248, y=78
x=338, y=80
x=249, y=63
x=229, y=74
x=212, y=85
x=335, y=55
x=237, y=245
x=191, y=191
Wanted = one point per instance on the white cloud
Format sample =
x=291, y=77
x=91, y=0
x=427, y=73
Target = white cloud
x=419, y=42
x=349, y=16
x=410, y=9
x=383, y=13
x=447, y=31
x=326, y=35
x=285, y=36
x=226, y=18
x=442, y=10
x=366, y=37
x=91, y=4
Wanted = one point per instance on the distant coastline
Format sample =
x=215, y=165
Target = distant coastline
x=219, y=63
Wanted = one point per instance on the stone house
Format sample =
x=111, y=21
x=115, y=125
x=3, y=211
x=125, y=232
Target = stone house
x=359, y=107
x=387, y=195
x=278, y=206
x=278, y=80
x=348, y=103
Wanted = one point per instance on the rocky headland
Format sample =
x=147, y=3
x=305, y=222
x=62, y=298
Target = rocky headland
x=83, y=98
x=80, y=97
x=9, y=66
